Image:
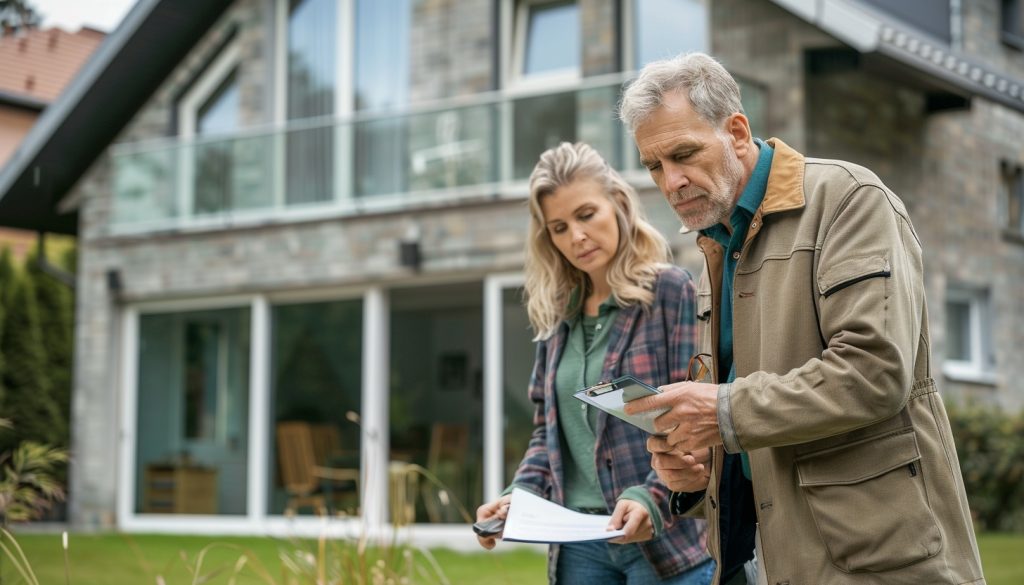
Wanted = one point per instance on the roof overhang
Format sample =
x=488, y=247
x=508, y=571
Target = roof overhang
x=892, y=44
x=114, y=83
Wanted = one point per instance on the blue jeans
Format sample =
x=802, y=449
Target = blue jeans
x=601, y=563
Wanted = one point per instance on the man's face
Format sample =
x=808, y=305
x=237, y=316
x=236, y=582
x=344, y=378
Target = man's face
x=694, y=164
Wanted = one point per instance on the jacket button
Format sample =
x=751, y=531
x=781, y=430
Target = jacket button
x=753, y=225
x=608, y=462
x=735, y=255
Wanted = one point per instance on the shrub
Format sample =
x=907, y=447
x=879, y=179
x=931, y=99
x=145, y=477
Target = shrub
x=27, y=484
x=990, y=446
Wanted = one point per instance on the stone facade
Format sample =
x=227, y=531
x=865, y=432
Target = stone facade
x=944, y=165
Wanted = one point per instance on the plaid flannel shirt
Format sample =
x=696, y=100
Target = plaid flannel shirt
x=653, y=345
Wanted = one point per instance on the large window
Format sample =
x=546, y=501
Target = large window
x=517, y=365
x=316, y=381
x=436, y=402
x=546, y=40
x=381, y=71
x=217, y=170
x=193, y=404
x=1011, y=198
x=968, y=334
x=665, y=28
x=312, y=49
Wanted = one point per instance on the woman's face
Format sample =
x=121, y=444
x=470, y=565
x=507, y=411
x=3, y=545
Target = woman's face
x=580, y=219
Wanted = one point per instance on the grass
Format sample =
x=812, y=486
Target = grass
x=114, y=559
x=120, y=559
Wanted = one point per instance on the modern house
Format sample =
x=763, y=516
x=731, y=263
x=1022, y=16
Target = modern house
x=301, y=224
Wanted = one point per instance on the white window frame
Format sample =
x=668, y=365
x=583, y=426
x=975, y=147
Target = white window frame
x=978, y=367
x=494, y=439
x=516, y=18
x=375, y=448
x=223, y=65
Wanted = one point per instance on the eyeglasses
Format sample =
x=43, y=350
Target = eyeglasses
x=703, y=370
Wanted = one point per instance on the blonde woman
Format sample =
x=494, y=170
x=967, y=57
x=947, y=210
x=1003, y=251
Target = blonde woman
x=603, y=302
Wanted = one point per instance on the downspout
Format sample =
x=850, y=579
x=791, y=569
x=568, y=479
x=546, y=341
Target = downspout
x=59, y=274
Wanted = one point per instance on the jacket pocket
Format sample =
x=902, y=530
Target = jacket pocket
x=850, y=272
x=869, y=503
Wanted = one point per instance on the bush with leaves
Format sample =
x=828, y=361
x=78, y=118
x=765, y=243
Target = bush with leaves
x=990, y=446
x=27, y=484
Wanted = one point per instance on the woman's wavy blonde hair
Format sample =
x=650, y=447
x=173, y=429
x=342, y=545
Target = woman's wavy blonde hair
x=550, y=277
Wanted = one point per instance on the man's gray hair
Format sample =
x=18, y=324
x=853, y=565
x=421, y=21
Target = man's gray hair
x=713, y=92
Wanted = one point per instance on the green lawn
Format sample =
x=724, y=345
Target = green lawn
x=112, y=559
x=116, y=559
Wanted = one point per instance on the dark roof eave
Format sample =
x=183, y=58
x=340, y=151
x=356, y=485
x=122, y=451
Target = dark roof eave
x=106, y=93
x=871, y=32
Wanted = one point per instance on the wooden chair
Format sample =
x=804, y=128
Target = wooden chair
x=303, y=451
x=446, y=459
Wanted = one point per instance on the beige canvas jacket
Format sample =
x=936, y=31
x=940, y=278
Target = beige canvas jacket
x=855, y=476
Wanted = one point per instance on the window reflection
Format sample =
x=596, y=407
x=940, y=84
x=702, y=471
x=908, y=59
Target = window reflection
x=193, y=404
x=666, y=28
x=316, y=388
x=552, y=38
x=311, y=86
x=436, y=401
x=517, y=365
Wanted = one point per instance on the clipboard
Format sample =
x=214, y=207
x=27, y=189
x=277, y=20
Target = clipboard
x=611, y=397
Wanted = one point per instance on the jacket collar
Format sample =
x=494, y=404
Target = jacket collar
x=785, y=190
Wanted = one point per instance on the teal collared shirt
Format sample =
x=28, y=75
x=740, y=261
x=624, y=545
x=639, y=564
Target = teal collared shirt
x=746, y=207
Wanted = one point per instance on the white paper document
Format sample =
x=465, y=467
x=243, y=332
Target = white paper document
x=534, y=519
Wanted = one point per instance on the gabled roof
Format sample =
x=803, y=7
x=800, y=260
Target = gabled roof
x=108, y=90
x=38, y=63
x=921, y=55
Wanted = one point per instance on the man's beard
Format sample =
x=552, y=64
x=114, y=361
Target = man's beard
x=712, y=206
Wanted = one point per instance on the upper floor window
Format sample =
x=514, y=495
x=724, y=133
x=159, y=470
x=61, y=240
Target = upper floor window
x=665, y=28
x=311, y=87
x=381, y=58
x=1013, y=22
x=547, y=40
x=968, y=334
x=1011, y=198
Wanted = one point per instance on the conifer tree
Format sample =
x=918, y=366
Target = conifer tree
x=56, y=319
x=6, y=280
x=28, y=401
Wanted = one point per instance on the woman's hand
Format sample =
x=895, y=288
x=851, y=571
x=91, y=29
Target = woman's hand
x=496, y=509
x=631, y=517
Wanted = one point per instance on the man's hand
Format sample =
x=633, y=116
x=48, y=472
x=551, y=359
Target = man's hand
x=489, y=510
x=632, y=517
x=692, y=414
x=680, y=471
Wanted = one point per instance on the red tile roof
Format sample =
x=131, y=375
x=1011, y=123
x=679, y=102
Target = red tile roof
x=39, y=63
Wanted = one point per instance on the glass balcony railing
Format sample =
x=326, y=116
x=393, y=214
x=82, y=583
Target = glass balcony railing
x=474, y=147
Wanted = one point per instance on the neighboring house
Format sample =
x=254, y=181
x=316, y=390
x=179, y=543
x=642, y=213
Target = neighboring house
x=35, y=65
x=313, y=211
